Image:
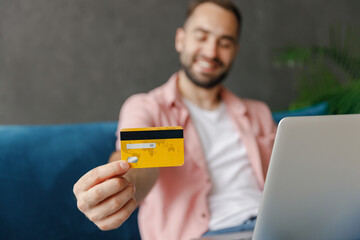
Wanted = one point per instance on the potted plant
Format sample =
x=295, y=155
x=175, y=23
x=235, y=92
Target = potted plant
x=329, y=74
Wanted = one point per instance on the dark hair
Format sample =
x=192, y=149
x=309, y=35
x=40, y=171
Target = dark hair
x=226, y=4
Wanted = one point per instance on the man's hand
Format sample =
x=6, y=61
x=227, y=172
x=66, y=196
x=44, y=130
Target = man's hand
x=105, y=196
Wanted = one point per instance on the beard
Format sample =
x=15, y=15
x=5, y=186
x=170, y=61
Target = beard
x=210, y=82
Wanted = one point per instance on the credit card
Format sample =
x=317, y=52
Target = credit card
x=152, y=147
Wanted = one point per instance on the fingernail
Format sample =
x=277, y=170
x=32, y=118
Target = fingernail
x=124, y=165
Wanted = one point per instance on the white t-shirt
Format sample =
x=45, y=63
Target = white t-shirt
x=235, y=195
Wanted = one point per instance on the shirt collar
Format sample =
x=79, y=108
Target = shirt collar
x=173, y=96
x=232, y=102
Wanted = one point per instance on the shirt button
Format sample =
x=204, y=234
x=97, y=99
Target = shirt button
x=208, y=181
x=203, y=215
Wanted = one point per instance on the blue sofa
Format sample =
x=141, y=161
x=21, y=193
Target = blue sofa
x=38, y=168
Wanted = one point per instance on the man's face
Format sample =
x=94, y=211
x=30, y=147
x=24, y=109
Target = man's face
x=207, y=44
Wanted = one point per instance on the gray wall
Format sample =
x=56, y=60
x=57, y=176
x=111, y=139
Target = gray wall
x=65, y=61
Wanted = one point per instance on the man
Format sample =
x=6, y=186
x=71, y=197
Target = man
x=228, y=143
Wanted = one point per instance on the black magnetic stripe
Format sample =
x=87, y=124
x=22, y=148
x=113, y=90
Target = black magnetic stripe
x=155, y=134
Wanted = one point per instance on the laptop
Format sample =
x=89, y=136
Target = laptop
x=312, y=189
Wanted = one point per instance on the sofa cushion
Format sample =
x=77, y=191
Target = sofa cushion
x=38, y=168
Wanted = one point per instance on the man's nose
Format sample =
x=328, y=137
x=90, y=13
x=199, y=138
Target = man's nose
x=210, y=49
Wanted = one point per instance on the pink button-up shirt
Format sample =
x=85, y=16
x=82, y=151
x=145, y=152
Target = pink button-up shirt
x=177, y=206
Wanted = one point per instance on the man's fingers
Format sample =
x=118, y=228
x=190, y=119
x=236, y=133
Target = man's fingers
x=101, y=191
x=104, y=196
x=100, y=174
x=118, y=218
x=112, y=204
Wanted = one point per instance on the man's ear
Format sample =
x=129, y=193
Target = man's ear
x=179, y=39
x=237, y=49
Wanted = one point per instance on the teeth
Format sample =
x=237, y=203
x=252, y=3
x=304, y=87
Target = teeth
x=204, y=64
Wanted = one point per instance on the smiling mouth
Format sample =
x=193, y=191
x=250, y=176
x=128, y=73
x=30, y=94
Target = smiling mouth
x=208, y=64
x=205, y=64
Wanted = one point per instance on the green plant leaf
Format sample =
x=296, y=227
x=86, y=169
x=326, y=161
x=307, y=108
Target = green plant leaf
x=327, y=73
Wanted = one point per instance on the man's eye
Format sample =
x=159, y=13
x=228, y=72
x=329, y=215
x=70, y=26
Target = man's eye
x=200, y=36
x=225, y=43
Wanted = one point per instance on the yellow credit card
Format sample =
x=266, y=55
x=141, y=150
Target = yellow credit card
x=152, y=147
